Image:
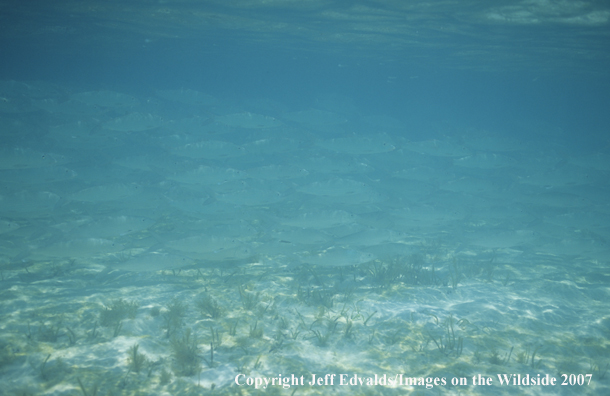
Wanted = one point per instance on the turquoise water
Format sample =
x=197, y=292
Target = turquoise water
x=304, y=198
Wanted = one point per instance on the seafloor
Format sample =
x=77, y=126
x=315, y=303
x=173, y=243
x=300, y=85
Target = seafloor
x=71, y=329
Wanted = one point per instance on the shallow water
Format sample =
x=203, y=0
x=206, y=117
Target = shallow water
x=201, y=198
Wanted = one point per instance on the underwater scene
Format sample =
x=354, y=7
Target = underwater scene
x=304, y=198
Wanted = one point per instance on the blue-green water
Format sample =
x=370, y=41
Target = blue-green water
x=278, y=197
